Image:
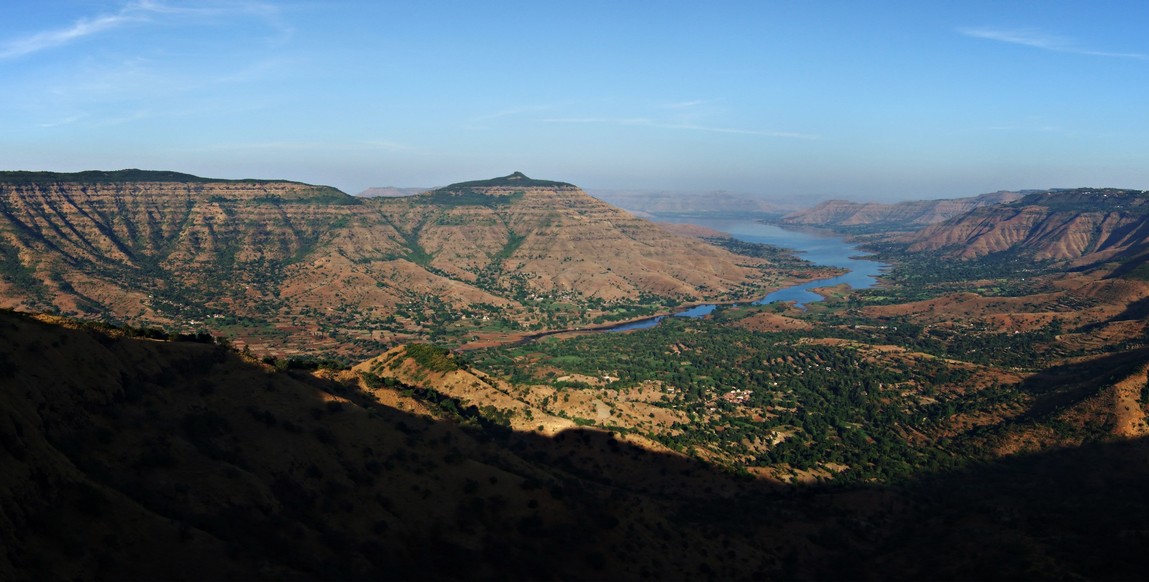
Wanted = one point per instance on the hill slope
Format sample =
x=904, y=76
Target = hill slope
x=899, y=216
x=289, y=266
x=1077, y=227
x=128, y=458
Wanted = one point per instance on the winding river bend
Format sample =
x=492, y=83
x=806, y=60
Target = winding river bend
x=818, y=247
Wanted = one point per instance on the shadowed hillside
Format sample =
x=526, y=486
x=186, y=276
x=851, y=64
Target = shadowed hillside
x=129, y=458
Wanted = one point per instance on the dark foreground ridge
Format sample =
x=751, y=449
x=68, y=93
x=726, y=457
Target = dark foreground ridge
x=128, y=458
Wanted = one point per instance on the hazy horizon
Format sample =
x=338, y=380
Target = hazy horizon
x=805, y=101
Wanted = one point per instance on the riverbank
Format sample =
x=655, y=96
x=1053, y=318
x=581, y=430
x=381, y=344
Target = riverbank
x=829, y=250
x=522, y=338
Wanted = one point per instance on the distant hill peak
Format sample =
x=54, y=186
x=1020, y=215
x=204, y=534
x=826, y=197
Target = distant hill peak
x=100, y=177
x=517, y=179
x=25, y=178
x=25, y=182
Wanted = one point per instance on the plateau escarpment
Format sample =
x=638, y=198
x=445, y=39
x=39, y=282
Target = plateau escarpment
x=900, y=216
x=284, y=265
x=1079, y=227
x=150, y=248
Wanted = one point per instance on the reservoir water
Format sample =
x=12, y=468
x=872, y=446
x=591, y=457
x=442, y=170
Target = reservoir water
x=818, y=247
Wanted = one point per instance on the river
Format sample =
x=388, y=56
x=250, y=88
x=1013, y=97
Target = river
x=818, y=247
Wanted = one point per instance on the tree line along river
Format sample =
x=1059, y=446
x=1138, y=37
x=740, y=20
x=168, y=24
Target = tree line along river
x=819, y=247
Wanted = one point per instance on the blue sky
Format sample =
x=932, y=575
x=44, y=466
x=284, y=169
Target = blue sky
x=785, y=100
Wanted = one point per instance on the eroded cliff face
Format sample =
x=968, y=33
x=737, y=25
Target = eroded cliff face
x=1080, y=227
x=535, y=256
x=903, y=215
x=127, y=248
x=561, y=240
x=287, y=259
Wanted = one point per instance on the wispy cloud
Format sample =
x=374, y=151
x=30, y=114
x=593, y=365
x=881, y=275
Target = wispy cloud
x=678, y=115
x=642, y=121
x=62, y=122
x=138, y=12
x=611, y=120
x=1036, y=38
x=1035, y=128
x=309, y=146
x=482, y=121
x=126, y=117
x=386, y=145
x=684, y=104
x=150, y=80
x=54, y=38
x=692, y=127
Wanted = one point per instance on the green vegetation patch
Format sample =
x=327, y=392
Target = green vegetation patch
x=474, y=193
x=20, y=275
x=1086, y=199
x=433, y=358
x=514, y=241
x=317, y=195
x=781, y=257
x=451, y=197
x=766, y=399
x=1135, y=269
x=918, y=276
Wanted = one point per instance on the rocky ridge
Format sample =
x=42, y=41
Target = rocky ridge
x=902, y=215
x=1077, y=227
x=283, y=265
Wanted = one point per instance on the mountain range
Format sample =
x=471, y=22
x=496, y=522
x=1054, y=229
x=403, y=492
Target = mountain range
x=288, y=267
x=988, y=399
x=1080, y=226
x=909, y=215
